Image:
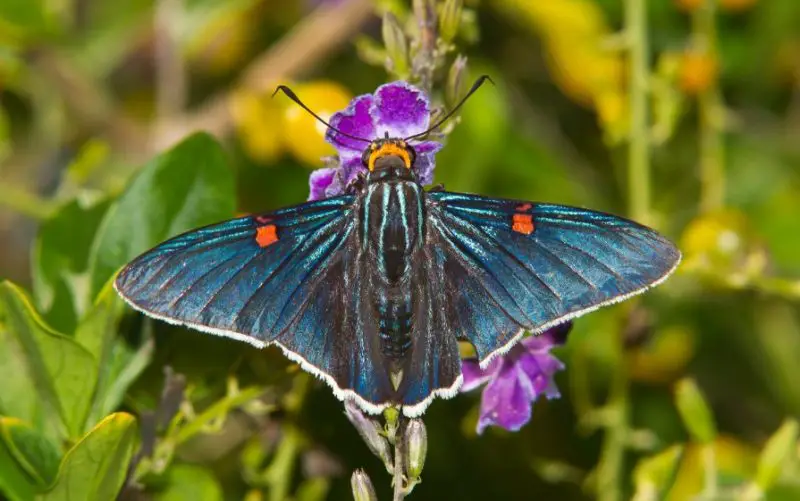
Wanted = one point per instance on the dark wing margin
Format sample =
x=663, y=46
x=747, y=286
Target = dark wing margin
x=516, y=265
x=283, y=278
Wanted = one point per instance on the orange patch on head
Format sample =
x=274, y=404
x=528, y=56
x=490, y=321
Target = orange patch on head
x=390, y=148
x=266, y=235
x=524, y=207
x=522, y=223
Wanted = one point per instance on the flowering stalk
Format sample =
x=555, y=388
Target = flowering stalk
x=712, y=160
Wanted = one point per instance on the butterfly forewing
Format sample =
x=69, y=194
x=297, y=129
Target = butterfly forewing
x=519, y=265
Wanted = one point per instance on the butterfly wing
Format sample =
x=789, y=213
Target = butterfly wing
x=285, y=278
x=515, y=265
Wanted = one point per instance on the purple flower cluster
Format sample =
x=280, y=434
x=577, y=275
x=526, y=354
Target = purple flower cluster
x=515, y=380
x=396, y=109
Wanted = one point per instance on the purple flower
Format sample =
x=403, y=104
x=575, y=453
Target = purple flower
x=516, y=379
x=397, y=109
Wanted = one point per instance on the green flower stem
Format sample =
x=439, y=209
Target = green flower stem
x=215, y=412
x=177, y=435
x=25, y=203
x=639, y=148
x=612, y=460
x=712, y=152
x=399, y=460
x=609, y=471
x=278, y=475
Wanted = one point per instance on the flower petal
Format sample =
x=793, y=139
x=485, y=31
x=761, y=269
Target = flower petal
x=400, y=110
x=506, y=401
x=539, y=368
x=319, y=181
x=356, y=121
x=474, y=376
x=423, y=167
x=351, y=169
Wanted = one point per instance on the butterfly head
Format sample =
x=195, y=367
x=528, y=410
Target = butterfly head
x=388, y=153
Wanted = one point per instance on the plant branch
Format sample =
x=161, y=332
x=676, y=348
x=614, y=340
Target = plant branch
x=639, y=148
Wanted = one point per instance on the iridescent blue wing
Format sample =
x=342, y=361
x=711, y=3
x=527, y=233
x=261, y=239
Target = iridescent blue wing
x=285, y=278
x=512, y=265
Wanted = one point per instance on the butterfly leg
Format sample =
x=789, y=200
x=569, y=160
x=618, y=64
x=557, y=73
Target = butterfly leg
x=356, y=185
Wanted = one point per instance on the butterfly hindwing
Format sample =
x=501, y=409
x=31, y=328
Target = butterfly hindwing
x=525, y=266
x=286, y=278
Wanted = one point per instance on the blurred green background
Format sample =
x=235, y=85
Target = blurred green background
x=684, y=115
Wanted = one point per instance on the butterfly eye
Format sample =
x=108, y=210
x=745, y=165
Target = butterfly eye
x=412, y=154
x=365, y=156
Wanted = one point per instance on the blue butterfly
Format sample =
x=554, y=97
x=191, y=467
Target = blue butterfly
x=372, y=290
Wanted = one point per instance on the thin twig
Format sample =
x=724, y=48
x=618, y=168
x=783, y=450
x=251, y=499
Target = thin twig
x=310, y=42
x=169, y=62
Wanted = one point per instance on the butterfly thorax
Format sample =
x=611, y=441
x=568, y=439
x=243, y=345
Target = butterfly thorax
x=393, y=230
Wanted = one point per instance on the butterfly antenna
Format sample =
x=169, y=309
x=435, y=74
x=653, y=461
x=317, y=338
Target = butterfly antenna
x=480, y=81
x=291, y=95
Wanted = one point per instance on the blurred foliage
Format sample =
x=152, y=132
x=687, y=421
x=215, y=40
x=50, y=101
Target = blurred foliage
x=688, y=393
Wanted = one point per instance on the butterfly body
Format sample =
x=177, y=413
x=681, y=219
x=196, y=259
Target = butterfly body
x=372, y=290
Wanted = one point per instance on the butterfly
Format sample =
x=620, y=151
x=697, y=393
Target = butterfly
x=372, y=290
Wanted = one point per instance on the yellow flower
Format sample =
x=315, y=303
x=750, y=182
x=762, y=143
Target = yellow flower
x=303, y=135
x=257, y=118
x=698, y=71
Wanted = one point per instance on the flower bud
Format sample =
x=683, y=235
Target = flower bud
x=457, y=77
x=653, y=474
x=370, y=433
x=396, y=46
x=362, y=487
x=694, y=411
x=416, y=444
x=778, y=449
x=450, y=19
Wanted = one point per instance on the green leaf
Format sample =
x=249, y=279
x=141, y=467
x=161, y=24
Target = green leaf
x=118, y=365
x=34, y=453
x=96, y=466
x=51, y=372
x=187, y=187
x=60, y=260
x=15, y=484
x=124, y=365
x=185, y=481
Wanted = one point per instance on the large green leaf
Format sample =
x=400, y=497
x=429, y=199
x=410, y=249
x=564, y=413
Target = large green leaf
x=15, y=483
x=185, y=481
x=96, y=466
x=186, y=187
x=33, y=452
x=44, y=372
x=59, y=262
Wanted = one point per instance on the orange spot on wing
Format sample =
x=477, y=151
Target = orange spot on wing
x=524, y=207
x=266, y=235
x=522, y=223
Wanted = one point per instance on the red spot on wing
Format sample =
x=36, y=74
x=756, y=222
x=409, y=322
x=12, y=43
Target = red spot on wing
x=266, y=235
x=522, y=223
x=524, y=207
x=263, y=219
